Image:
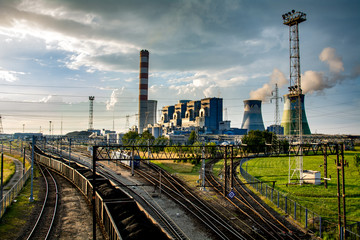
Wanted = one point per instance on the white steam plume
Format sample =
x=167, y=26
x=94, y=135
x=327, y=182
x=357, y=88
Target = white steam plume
x=110, y=104
x=335, y=63
x=312, y=81
x=265, y=91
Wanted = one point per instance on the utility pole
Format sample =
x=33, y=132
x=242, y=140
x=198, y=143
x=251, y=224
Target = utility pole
x=343, y=185
x=203, y=168
x=225, y=172
x=341, y=189
x=325, y=166
x=2, y=175
x=69, y=150
x=50, y=128
x=31, y=198
x=24, y=167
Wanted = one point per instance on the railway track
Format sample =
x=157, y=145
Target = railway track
x=157, y=214
x=45, y=220
x=176, y=190
x=160, y=217
x=261, y=220
x=252, y=220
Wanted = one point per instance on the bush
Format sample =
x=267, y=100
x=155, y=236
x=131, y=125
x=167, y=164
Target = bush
x=357, y=160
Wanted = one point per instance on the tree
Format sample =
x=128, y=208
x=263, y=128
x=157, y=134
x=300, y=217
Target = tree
x=130, y=136
x=256, y=140
x=146, y=135
x=192, y=137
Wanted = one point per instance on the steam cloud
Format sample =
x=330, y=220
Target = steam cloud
x=110, y=104
x=266, y=90
x=311, y=81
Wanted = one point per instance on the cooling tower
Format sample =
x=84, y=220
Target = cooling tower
x=290, y=117
x=143, y=88
x=252, y=116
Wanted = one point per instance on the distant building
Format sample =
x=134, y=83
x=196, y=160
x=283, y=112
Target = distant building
x=27, y=136
x=204, y=115
x=277, y=129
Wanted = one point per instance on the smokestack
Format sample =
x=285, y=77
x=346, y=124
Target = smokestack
x=143, y=88
x=252, y=116
x=290, y=116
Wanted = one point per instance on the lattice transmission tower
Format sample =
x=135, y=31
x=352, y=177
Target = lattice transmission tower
x=91, y=112
x=293, y=19
x=275, y=96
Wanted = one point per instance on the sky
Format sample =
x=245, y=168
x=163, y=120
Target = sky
x=54, y=54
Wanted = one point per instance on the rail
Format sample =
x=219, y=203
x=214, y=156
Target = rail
x=85, y=186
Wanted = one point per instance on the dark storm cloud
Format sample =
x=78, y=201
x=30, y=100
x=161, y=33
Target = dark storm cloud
x=180, y=35
x=165, y=27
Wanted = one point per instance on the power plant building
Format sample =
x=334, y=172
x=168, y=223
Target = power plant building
x=205, y=114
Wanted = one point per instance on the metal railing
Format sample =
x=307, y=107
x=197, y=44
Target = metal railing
x=9, y=197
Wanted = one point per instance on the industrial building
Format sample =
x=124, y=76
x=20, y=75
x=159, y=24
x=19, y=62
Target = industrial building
x=205, y=115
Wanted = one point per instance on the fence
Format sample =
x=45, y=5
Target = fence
x=309, y=219
x=352, y=232
x=13, y=192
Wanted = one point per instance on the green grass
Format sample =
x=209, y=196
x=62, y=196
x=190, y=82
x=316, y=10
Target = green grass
x=9, y=166
x=185, y=171
x=12, y=223
x=9, y=170
x=314, y=197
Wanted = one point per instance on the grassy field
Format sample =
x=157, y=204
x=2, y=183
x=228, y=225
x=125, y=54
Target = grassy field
x=185, y=171
x=315, y=197
x=9, y=169
x=9, y=166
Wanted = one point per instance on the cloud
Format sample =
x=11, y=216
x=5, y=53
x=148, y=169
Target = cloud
x=110, y=104
x=9, y=76
x=277, y=77
x=51, y=99
x=312, y=81
x=329, y=56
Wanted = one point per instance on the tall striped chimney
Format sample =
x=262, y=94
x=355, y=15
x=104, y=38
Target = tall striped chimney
x=143, y=88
